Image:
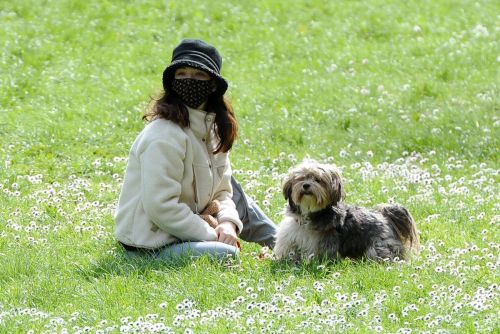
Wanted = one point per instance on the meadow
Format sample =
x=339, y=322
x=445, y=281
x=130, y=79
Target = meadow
x=402, y=96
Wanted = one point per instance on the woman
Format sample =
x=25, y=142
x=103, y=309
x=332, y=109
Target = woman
x=177, y=196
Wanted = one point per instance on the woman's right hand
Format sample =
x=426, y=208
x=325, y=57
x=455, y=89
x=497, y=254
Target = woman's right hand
x=226, y=233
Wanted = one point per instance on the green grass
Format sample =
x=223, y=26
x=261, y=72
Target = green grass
x=402, y=96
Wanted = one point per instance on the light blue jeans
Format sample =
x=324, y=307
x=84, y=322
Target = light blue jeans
x=257, y=227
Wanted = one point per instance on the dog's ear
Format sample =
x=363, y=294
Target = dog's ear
x=287, y=187
x=291, y=205
x=287, y=192
x=337, y=189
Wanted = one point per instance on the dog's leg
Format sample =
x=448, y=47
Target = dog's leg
x=386, y=249
x=284, y=251
x=285, y=246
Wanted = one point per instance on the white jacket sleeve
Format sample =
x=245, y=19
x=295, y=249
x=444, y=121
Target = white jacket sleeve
x=162, y=169
x=224, y=194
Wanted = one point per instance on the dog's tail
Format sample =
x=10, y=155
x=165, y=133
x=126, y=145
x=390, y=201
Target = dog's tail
x=404, y=225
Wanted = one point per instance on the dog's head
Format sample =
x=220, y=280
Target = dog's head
x=312, y=186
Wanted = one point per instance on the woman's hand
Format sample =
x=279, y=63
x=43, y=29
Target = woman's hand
x=226, y=233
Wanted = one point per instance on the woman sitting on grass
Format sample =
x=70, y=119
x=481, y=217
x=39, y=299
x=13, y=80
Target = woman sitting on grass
x=177, y=196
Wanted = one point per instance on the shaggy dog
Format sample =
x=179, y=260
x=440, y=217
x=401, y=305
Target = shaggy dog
x=318, y=224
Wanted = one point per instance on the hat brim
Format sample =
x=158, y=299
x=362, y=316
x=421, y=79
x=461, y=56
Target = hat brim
x=169, y=72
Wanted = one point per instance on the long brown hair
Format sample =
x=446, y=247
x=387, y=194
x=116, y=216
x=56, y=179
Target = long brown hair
x=169, y=106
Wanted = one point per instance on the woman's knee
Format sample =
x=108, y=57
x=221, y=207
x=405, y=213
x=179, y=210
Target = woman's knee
x=197, y=249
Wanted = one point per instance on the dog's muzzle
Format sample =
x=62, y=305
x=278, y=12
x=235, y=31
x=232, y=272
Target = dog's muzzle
x=306, y=189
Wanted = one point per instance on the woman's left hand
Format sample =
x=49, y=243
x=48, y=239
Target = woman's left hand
x=226, y=233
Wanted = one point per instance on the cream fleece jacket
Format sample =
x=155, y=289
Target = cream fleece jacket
x=171, y=176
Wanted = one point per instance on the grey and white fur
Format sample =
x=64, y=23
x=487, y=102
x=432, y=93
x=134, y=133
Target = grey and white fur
x=318, y=224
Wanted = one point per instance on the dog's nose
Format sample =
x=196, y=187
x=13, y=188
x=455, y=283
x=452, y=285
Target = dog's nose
x=306, y=186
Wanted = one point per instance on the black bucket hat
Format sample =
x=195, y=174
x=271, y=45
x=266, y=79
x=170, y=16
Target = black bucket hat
x=198, y=54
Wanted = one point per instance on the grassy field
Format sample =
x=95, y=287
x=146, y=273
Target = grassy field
x=402, y=96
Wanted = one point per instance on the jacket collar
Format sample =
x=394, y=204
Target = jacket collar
x=201, y=122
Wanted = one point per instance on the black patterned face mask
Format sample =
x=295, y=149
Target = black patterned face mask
x=193, y=92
